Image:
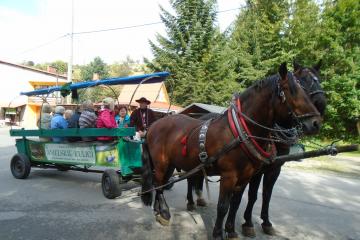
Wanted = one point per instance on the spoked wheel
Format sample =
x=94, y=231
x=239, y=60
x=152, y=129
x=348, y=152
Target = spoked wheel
x=110, y=184
x=20, y=166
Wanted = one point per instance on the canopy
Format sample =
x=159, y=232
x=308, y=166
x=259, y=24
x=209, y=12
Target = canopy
x=148, y=78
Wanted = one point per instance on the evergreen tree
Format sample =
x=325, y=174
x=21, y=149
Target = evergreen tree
x=339, y=42
x=303, y=31
x=194, y=52
x=257, y=39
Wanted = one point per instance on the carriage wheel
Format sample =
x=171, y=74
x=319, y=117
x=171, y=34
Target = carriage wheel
x=20, y=166
x=110, y=184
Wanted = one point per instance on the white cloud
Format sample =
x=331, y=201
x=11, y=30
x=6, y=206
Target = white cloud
x=22, y=32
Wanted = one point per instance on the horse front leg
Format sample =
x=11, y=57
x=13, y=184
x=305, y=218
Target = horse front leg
x=248, y=227
x=234, y=206
x=270, y=178
x=227, y=185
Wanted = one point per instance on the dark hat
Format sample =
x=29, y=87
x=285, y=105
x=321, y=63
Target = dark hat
x=144, y=100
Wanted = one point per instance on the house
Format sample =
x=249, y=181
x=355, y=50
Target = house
x=22, y=110
x=197, y=110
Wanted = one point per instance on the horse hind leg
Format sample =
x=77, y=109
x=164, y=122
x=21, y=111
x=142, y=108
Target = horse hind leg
x=161, y=209
x=190, y=206
x=199, y=185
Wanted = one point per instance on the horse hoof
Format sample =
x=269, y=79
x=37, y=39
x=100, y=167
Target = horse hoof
x=269, y=230
x=201, y=202
x=162, y=220
x=190, y=207
x=232, y=236
x=248, y=231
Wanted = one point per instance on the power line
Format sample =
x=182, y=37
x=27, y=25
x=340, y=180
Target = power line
x=117, y=28
x=140, y=25
x=109, y=29
x=44, y=44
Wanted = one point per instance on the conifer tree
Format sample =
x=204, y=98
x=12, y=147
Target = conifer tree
x=194, y=52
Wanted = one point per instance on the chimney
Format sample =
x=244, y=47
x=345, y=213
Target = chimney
x=96, y=76
x=51, y=69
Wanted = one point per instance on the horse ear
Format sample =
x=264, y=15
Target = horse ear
x=296, y=66
x=283, y=70
x=318, y=65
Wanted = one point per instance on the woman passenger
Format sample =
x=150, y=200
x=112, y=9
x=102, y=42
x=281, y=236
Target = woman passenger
x=106, y=118
x=87, y=118
x=123, y=119
x=58, y=122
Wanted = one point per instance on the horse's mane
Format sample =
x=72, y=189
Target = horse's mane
x=265, y=83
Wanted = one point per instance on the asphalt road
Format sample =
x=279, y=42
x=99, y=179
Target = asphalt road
x=70, y=205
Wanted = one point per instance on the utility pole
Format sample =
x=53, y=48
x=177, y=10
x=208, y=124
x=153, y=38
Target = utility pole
x=70, y=63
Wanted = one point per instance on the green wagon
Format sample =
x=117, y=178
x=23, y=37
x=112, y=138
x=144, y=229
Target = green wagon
x=119, y=161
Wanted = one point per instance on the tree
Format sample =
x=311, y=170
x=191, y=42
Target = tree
x=60, y=66
x=339, y=42
x=96, y=94
x=303, y=31
x=97, y=66
x=194, y=53
x=257, y=39
x=123, y=68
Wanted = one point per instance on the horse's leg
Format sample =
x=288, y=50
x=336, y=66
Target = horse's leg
x=199, y=190
x=248, y=227
x=161, y=208
x=190, y=200
x=227, y=185
x=270, y=178
x=234, y=206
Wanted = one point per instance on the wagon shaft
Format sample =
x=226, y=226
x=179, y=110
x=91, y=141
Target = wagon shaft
x=331, y=150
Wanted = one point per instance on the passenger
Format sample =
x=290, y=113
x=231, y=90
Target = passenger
x=87, y=118
x=58, y=122
x=106, y=118
x=123, y=119
x=45, y=119
x=73, y=122
x=67, y=115
x=142, y=117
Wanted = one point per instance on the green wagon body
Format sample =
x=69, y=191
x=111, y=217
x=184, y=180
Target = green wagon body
x=120, y=154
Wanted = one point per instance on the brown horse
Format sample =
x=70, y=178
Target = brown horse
x=269, y=101
x=310, y=82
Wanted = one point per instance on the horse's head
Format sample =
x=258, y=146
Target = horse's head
x=310, y=82
x=293, y=102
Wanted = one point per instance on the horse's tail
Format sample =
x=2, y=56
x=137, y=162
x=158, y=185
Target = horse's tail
x=147, y=176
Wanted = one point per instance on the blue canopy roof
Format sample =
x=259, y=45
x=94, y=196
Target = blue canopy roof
x=149, y=78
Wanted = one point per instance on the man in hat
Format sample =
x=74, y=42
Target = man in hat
x=142, y=117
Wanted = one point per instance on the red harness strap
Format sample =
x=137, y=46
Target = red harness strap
x=245, y=127
x=184, y=143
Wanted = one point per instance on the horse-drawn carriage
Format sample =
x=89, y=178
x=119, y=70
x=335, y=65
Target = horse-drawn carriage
x=236, y=145
x=119, y=160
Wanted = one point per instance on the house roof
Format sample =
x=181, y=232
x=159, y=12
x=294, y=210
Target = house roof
x=33, y=69
x=157, y=106
x=150, y=91
x=195, y=107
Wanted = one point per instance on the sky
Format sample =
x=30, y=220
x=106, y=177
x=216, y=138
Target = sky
x=37, y=30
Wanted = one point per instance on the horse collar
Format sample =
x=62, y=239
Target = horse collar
x=249, y=145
